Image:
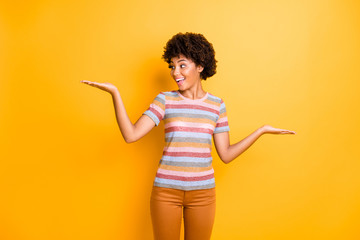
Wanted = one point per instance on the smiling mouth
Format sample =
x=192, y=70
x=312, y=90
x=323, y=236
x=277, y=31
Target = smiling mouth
x=180, y=81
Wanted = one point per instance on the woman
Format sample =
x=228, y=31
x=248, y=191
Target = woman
x=184, y=182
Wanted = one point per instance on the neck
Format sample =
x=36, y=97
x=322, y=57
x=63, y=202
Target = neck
x=195, y=92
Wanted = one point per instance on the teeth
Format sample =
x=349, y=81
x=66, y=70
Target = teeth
x=180, y=79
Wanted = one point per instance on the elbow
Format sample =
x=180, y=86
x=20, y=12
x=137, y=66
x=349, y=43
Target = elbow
x=225, y=160
x=130, y=139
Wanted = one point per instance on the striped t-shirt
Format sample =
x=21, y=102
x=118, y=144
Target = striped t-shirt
x=186, y=162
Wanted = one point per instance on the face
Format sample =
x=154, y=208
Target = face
x=185, y=72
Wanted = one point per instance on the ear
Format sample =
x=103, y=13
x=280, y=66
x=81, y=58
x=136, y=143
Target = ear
x=200, y=68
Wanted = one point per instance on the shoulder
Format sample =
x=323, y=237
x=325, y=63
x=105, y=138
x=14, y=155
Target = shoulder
x=214, y=98
x=169, y=93
x=162, y=96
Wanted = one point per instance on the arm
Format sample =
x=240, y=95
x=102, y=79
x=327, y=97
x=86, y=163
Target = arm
x=228, y=152
x=130, y=132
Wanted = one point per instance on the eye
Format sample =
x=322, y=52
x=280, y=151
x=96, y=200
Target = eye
x=182, y=65
x=171, y=67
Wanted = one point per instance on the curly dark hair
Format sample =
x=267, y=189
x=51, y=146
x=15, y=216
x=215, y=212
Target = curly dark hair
x=193, y=46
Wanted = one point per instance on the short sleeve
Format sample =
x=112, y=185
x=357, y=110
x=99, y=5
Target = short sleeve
x=156, y=111
x=222, y=124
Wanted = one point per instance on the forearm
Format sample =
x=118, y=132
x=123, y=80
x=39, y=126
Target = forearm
x=126, y=126
x=234, y=150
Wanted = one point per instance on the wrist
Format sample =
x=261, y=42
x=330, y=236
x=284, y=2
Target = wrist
x=262, y=130
x=114, y=92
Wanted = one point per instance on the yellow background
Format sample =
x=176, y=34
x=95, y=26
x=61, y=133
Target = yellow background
x=66, y=172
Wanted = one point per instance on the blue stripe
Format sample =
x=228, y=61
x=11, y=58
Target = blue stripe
x=189, y=110
x=171, y=94
x=192, y=116
x=186, y=159
x=152, y=116
x=188, y=134
x=222, y=129
x=222, y=108
x=214, y=98
x=184, y=183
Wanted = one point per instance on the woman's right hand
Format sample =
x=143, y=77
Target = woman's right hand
x=108, y=87
x=270, y=129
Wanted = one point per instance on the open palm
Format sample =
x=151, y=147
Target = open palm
x=270, y=129
x=108, y=87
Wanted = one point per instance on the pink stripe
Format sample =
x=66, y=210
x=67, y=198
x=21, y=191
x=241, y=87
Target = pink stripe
x=153, y=110
x=188, y=129
x=187, y=149
x=208, y=105
x=187, y=106
x=186, y=154
x=159, y=109
x=223, y=119
x=222, y=124
x=206, y=177
x=185, y=174
x=189, y=124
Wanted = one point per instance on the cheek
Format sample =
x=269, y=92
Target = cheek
x=188, y=72
x=192, y=72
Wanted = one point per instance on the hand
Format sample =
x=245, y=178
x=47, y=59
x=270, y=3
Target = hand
x=270, y=129
x=108, y=87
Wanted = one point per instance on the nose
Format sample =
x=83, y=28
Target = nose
x=176, y=71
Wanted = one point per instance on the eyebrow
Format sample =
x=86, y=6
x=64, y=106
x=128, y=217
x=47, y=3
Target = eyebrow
x=181, y=60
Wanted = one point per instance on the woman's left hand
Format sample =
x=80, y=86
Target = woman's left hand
x=270, y=129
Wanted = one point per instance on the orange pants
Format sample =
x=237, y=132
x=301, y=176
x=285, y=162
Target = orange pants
x=167, y=206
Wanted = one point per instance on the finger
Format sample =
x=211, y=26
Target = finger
x=285, y=130
x=86, y=82
x=93, y=83
x=290, y=132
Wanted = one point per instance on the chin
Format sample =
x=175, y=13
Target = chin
x=181, y=88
